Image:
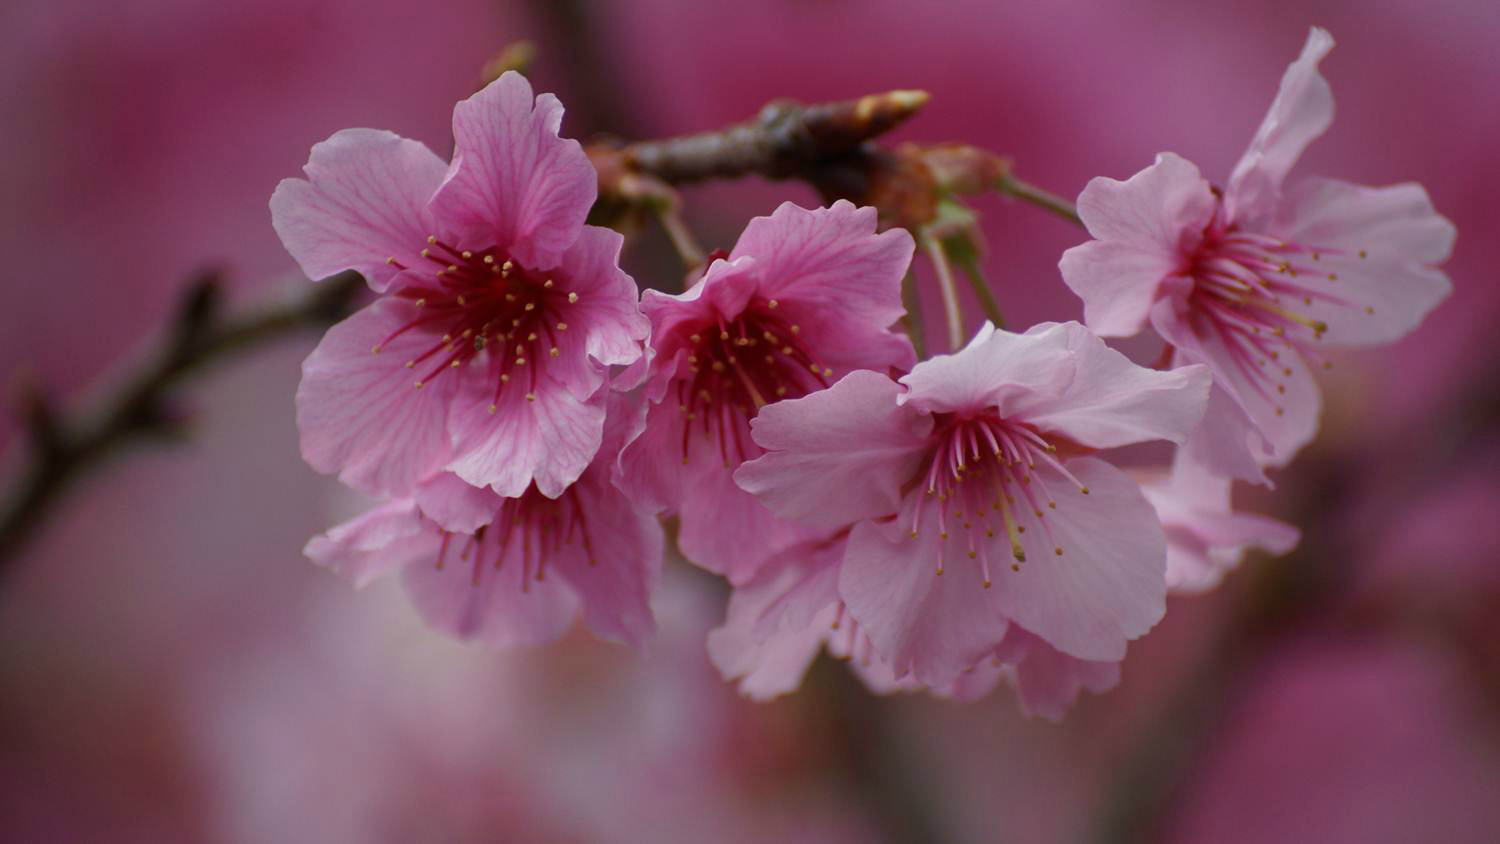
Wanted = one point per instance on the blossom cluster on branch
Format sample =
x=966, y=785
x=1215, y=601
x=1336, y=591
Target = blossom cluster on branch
x=944, y=522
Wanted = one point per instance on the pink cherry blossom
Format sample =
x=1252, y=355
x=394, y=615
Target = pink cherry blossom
x=1047, y=681
x=781, y=619
x=804, y=298
x=513, y=571
x=970, y=473
x=1255, y=280
x=500, y=308
x=1205, y=537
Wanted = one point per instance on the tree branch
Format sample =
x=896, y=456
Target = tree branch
x=144, y=405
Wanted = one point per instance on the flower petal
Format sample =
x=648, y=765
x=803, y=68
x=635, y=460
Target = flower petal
x=513, y=181
x=1227, y=441
x=1117, y=281
x=837, y=455
x=1110, y=401
x=723, y=528
x=605, y=325
x=469, y=598
x=364, y=200
x=1384, y=238
x=995, y=367
x=766, y=668
x=1282, y=402
x=385, y=539
x=1302, y=110
x=1109, y=584
x=615, y=571
x=1162, y=209
x=548, y=440
x=830, y=259
x=358, y=412
x=454, y=504
x=934, y=626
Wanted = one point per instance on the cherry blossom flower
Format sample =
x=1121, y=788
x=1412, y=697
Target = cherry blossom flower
x=782, y=618
x=804, y=298
x=500, y=308
x=973, y=472
x=1256, y=281
x=1047, y=681
x=513, y=571
x=1205, y=537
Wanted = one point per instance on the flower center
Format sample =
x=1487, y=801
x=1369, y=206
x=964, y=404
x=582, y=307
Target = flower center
x=532, y=526
x=734, y=368
x=982, y=475
x=1261, y=296
x=482, y=306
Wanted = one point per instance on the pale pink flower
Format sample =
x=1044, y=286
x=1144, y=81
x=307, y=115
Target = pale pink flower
x=779, y=620
x=500, y=308
x=1256, y=281
x=804, y=298
x=1206, y=538
x=965, y=475
x=1047, y=681
x=513, y=571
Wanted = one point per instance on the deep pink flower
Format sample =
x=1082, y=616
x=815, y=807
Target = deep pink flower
x=963, y=476
x=500, y=312
x=804, y=298
x=1255, y=281
x=1205, y=537
x=1047, y=681
x=513, y=571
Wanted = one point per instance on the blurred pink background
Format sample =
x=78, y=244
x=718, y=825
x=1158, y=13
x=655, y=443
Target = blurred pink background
x=171, y=668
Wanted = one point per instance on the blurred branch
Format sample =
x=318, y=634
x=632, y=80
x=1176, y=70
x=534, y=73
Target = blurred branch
x=63, y=447
x=1013, y=187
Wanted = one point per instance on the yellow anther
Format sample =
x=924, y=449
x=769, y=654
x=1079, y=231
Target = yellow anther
x=572, y=297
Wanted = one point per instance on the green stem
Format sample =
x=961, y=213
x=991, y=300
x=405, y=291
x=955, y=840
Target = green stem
x=911, y=297
x=1011, y=186
x=970, y=266
x=951, y=309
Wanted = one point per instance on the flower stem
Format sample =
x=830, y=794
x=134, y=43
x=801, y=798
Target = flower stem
x=951, y=308
x=1011, y=186
x=686, y=246
x=968, y=261
x=911, y=297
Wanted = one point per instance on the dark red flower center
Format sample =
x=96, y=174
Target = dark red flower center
x=532, y=526
x=481, y=305
x=734, y=367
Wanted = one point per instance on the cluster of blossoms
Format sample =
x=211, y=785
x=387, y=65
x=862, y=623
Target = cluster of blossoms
x=528, y=417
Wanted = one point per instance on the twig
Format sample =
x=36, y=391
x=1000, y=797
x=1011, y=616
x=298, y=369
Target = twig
x=142, y=407
x=1011, y=186
x=946, y=285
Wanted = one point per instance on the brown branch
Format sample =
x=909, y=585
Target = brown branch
x=62, y=448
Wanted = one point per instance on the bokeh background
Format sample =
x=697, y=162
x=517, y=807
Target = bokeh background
x=171, y=668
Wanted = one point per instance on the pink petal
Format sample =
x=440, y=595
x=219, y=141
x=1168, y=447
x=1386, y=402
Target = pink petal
x=364, y=200
x=837, y=455
x=605, y=325
x=1151, y=221
x=385, y=539
x=650, y=467
x=1387, y=293
x=830, y=259
x=470, y=599
x=725, y=529
x=1048, y=681
x=1110, y=401
x=547, y=441
x=1117, y=281
x=766, y=668
x=1227, y=441
x=1287, y=418
x=1205, y=539
x=513, y=181
x=359, y=413
x=1109, y=584
x=625, y=546
x=934, y=626
x=1302, y=110
x=1161, y=209
x=996, y=367
x=455, y=505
